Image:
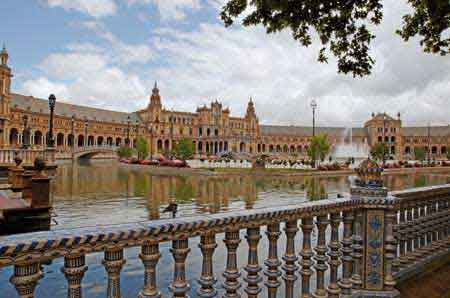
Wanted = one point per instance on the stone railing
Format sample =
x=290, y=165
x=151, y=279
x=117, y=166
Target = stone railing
x=422, y=228
x=27, y=155
x=349, y=248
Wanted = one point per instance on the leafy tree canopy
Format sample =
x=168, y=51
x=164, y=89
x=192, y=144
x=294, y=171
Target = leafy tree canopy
x=419, y=153
x=343, y=26
x=184, y=149
x=141, y=148
x=319, y=147
x=380, y=151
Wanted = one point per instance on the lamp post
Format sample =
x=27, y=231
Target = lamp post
x=72, y=123
x=25, y=133
x=51, y=104
x=384, y=143
x=86, y=140
x=429, y=144
x=314, y=107
x=127, y=140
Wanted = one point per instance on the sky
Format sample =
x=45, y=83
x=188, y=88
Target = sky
x=109, y=53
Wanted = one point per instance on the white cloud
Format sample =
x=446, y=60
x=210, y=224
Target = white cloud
x=94, y=8
x=210, y=61
x=119, y=51
x=170, y=9
x=42, y=87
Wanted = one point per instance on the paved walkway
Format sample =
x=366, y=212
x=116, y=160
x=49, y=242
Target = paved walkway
x=432, y=285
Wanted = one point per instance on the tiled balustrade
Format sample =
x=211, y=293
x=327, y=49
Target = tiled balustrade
x=361, y=246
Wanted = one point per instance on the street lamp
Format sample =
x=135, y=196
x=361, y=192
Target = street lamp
x=86, y=140
x=51, y=104
x=72, y=122
x=25, y=134
x=314, y=107
x=127, y=141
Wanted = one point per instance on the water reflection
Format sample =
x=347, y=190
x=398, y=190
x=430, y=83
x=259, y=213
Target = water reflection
x=107, y=192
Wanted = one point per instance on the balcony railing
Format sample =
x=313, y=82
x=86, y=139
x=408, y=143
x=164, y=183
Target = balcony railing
x=363, y=244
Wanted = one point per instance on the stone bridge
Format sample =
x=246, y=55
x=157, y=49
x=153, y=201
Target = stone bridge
x=90, y=151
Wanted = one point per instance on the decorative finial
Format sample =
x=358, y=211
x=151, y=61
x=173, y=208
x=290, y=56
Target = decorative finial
x=251, y=100
x=369, y=174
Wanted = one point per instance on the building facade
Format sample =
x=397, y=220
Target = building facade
x=212, y=129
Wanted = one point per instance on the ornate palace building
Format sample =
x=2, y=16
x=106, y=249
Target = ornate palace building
x=212, y=129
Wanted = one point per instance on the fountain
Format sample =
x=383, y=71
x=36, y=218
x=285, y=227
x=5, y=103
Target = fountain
x=347, y=149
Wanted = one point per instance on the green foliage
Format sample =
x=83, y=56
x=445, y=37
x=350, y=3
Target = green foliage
x=184, y=149
x=343, y=26
x=319, y=147
x=419, y=153
x=141, y=148
x=124, y=151
x=380, y=151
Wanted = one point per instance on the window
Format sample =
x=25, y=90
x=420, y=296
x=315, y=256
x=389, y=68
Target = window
x=200, y=131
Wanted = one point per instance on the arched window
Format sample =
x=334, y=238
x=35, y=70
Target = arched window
x=167, y=145
x=60, y=139
x=118, y=141
x=70, y=140
x=38, y=138
x=443, y=150
x=407, y=150
x=91, y=141
x=80, y=141
x=242, y=147
x=13, y=137
x=392, y=149
x=109, y=141
x=393, y=139
x=100, y=141
x=278, y=148
x=433, y=150
x=160, y=145
x=200, y=147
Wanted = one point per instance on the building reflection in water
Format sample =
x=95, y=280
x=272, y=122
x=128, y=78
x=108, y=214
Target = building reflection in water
x=134, y=194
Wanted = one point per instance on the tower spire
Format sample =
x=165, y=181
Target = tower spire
x=4, y=56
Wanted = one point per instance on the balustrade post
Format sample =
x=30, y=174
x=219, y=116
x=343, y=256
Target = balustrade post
x=410, y=235
x=321, y=257
x=272, y=262
x=306, y=253
x=74, y=269
x=358, y=250
x=346, y=250
x=207, y=246
x=379, y=218
x=150, y=256
x=253, y=278
x=113, y=262
x=180, y=249
x=333, y=289
x=25, y=278
x=290, y=258
x=231, y=273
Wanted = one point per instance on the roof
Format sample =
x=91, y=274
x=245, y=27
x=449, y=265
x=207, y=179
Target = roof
x=306, y=131
x=38, y=105
x=435, y=131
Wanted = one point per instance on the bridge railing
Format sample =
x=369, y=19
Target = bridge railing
x=349, y=248
x=94, y=148
x=27, y=155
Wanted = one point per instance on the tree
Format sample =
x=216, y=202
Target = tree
x=184, y=149
x=319, y=147
x=380, y=151
x=344, y=26
x=124, y=152
x=419, y=153
x=141, y=148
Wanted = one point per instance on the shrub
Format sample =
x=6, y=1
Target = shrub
x=124, y=152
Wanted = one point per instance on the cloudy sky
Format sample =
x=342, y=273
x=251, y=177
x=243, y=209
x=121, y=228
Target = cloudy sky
x=108, y=53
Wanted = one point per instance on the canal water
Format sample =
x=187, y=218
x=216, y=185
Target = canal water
x=97, y=193
x=106, y=192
